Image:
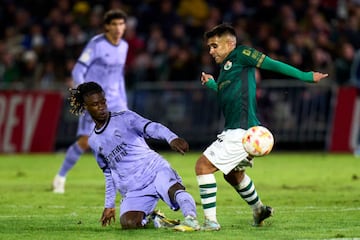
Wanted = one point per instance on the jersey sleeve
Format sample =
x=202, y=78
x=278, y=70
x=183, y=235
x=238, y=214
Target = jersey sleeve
x=158, y=131
x=149, y=129
x=212, y=84
x=283, y=68
x=84, y=61
x=250, y=56
x=110, y=189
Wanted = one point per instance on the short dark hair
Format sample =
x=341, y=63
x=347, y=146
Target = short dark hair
x=220, y=30
x=114, y=14
x=77, y=96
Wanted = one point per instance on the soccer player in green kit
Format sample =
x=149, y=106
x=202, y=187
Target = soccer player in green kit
x=236, y=92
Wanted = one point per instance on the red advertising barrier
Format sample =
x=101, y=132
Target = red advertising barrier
x=28, y=120
x=343, y=120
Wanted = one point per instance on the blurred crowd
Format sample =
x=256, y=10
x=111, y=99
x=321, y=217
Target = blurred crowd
x=41, y=40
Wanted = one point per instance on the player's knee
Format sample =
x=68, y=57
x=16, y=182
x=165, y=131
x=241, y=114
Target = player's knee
x=131, y=224
x=204, y=166
x=173, y=189
x=132, y=220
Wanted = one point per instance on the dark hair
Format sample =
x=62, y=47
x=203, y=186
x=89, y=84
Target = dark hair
x=220, y=30
x=114, y=14
x=77, y=96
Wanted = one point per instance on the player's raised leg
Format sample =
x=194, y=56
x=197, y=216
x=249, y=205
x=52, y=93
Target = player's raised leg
x=245, y=187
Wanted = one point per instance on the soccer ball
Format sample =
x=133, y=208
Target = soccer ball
x=258, y=141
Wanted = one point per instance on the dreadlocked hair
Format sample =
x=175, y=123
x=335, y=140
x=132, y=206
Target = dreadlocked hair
x=77, y=96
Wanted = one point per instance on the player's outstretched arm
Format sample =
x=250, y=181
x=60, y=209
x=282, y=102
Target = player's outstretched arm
x=288, y=70
x=317, y=76
x=179, y=145
x=107, y=215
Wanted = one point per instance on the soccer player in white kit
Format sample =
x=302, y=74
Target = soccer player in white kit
x=130, y=166
x=103, y=61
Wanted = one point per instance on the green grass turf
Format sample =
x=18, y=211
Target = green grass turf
x=315, y=196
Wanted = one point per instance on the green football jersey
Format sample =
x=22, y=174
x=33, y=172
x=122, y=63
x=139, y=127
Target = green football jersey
x=236, y=87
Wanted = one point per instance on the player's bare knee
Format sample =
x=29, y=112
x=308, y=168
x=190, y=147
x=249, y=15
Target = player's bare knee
x=131, y=224
x=132, y=220
x=198, y=166
x=173, y=189
x=204, y=166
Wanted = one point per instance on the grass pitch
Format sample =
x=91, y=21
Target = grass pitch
x=315, y=196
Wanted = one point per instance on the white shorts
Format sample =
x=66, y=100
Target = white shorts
x=227, y=151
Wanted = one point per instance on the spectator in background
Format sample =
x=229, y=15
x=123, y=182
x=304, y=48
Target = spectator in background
x=355, y=70
x=57, y=52
x=235, y=11
x=94, y=26
x=343, y=63
x=9, y=72
x=178, y=35
x=193, y=15
x=34, y=38
x=23, y=20
x=14, y=41
x=183, y=66
x=143, y=68
x=37, y=41
x=296, y=60
x=30, y=69
x=323, y=24
x=47, y=79
x=265, y=11
x=214, y=17
x=207, y=64
x=136, y=46
x=300, y=43
x=322, y=62
x=154, y=36
x=160, y=60
x=76, y=38
x=165, y=15
x=81, y=10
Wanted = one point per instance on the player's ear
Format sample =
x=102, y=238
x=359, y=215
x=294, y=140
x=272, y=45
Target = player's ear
x=85, y=106
x=106, y=27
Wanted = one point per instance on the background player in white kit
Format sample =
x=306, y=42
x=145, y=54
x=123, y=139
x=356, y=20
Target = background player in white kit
x=103, y=61
x=130, y=166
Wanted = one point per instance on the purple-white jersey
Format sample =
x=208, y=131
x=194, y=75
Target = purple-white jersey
x=128, y=163
x=104, y=63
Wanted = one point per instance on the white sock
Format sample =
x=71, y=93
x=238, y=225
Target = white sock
x=208, y=189
x=246, y=190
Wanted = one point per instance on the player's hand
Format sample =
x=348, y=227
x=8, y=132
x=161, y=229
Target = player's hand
x=179, y=145
x=205, y=77
x=318, y=76
x=107, y=215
